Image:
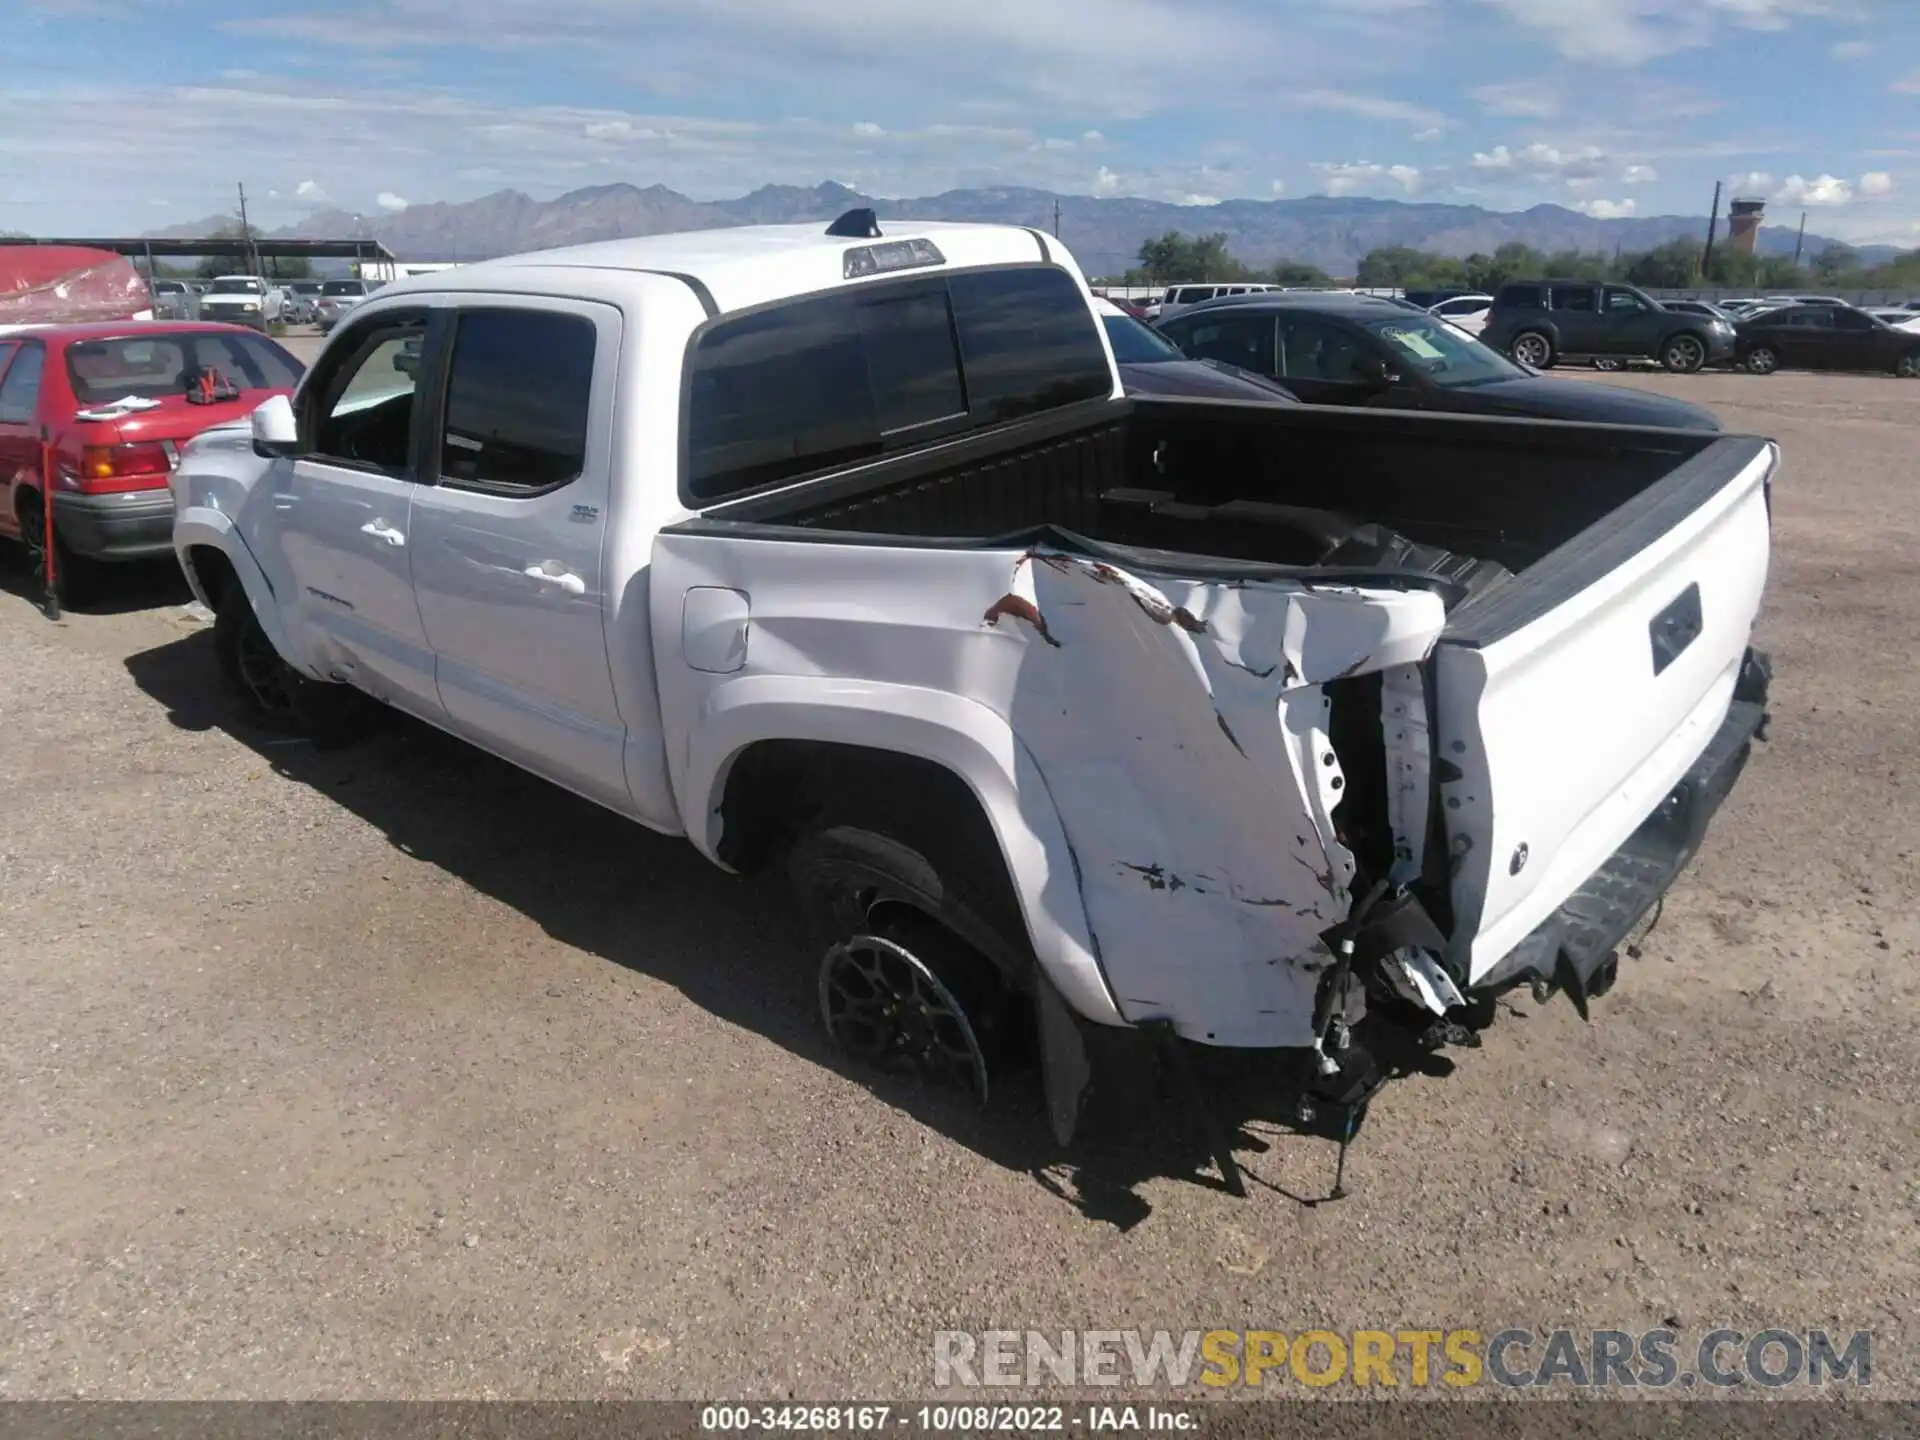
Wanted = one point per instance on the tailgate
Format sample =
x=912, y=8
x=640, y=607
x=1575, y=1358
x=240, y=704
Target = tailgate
x=1569, y=704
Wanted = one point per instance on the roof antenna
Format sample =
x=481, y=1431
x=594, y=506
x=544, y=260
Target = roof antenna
x=856, y=225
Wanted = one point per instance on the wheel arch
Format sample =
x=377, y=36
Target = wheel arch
x=760, y=742
x=214, y=557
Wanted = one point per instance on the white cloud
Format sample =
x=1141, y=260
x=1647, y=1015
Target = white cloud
x=1851, y=49
x=1278, y=187
x=1874, y=184
x=1754, y=182
x=1105, y=182
x=1825, y=190
x=1432, y=133
x=1639, y=175
x=160, y=204
x=1093, y=137
x=867, y=127
x=1369, y=107
x=1531, y=99
x=390, y=202
x=1576, y=165
x=1354, y=177
x=1632, y=32
x=1607, y=209
x=310, y=192
x=1198, y=200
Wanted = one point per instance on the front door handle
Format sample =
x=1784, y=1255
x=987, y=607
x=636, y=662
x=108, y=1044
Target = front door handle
x=381, y=530
x=560, y=579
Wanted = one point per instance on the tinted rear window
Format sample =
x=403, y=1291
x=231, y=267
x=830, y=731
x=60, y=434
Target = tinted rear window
x=837, y=378
x=153, y=365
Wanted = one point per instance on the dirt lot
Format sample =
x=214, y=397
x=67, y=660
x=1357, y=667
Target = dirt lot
x=393, y=1072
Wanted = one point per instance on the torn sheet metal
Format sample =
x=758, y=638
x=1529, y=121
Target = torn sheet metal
x=1408, y=742
x=1180, y=726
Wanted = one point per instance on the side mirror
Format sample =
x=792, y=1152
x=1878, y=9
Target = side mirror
x=407, y=362
x=274, y=432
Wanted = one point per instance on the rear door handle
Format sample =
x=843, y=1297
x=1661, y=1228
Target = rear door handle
x=381, y=530
x=560, y=579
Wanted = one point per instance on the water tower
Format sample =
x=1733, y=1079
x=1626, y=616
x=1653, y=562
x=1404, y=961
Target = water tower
x=1743, y=223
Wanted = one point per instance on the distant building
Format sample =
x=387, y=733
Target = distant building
x=1743, y=223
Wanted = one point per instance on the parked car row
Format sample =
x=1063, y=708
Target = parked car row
x=255, y=303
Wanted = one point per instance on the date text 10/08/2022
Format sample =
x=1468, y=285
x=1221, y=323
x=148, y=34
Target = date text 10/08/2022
x=946, y=1419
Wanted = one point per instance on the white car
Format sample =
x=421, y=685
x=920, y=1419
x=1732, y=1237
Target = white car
x=844, y=551
x=1466, y=313
x=1178, y=297
x=1899, y=319
x=238, y=300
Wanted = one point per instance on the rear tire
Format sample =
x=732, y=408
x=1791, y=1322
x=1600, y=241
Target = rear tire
x=1762, y=360
x=1532, y=348
x=857, y=885
x=1609, y=366
x=1683, y=354
x=77, y=577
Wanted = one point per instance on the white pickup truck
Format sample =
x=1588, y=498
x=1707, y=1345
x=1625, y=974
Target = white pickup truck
x=842, y=550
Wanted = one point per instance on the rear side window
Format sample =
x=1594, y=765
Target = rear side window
x=20, y=391
x=1522, y=297
x=837, y=378
x=1028, y=341
x=1573, y=297
x=518, y=390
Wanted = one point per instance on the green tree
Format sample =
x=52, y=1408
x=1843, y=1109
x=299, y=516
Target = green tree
x=1778, y=272
x=1836, y=263
x=1670, y=266
x=1175, y=259
x=1298, y=272
x=1391, y=265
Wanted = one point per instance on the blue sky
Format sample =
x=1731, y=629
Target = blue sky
x=1612, y=106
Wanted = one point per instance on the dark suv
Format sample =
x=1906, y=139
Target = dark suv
x=1539, y=322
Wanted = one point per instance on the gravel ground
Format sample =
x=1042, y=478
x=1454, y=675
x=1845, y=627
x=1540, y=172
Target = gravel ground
x=394, y=1072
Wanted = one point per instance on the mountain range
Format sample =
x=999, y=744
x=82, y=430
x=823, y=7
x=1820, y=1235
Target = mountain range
x=1104, y=234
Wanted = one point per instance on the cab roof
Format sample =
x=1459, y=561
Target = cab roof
x=749, y=265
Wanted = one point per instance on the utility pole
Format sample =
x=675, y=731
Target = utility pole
x=1713, y=220
x=246, y=234
x=1056, y=217
x=1800, y=240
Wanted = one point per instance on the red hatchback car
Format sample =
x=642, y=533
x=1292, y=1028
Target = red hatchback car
x=115, y=401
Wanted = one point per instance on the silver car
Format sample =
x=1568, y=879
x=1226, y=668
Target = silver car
x=337, y=297
x=174, y=300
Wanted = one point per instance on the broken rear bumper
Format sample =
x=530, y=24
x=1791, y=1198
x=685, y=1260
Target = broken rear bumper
x=1574, y=948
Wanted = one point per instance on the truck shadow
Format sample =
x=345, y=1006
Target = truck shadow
x=737, y=948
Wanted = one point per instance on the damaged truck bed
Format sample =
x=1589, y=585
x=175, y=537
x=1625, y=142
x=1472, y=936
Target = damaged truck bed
x=1253, y=663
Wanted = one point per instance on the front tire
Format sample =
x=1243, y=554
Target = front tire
x=1762, y=360
x=1908, y=366
x=1683, y=354
x=273, y=694
x=1609, y=366
x=1533, y=349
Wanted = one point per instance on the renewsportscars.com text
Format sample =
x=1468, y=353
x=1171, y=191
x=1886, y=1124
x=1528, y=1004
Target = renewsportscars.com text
x=1403, y=1358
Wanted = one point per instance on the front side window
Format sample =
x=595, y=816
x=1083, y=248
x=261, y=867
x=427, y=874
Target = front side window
x=519, y=387
x=1623, y=302
x=20, y=390
x=1316, y=349
x=1852, y=320
x=1233, y=339
x=363, y=409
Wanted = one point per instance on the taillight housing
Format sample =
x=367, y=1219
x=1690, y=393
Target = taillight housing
x=104, y=469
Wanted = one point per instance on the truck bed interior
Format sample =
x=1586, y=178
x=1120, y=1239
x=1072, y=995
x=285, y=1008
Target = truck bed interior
x=1469, y=499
